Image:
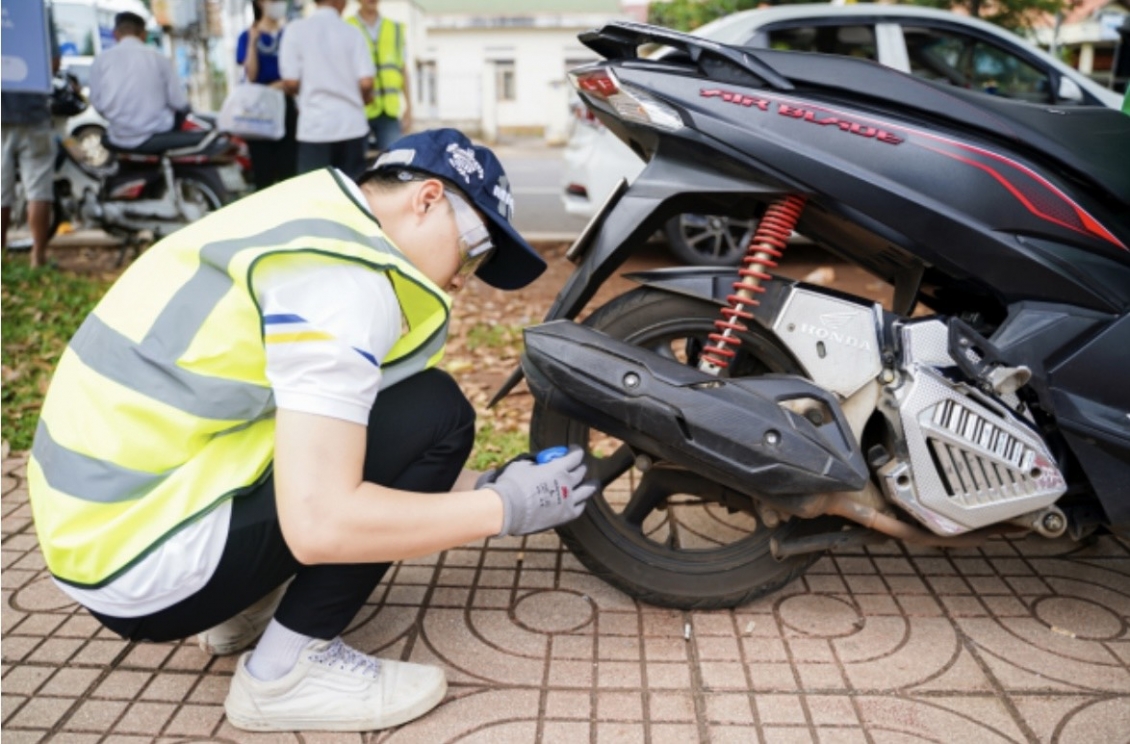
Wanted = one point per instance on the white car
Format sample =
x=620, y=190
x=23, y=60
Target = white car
x=933, y=44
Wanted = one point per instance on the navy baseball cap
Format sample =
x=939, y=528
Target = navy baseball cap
x=448, y=154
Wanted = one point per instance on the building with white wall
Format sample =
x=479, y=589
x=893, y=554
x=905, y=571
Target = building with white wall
x=496, y=67
x=1086, y=35
x=489, y=67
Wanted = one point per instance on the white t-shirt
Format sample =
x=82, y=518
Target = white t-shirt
x=327, y=324
x=328, y=57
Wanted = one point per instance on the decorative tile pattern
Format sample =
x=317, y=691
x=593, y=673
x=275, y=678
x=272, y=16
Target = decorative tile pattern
x=1013, y=642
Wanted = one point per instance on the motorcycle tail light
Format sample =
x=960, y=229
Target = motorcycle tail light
x=631, y=104
x=600, y=84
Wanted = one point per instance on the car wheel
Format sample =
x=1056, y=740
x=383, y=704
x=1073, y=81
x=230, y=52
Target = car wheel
x=90, y=145
x=709, y=240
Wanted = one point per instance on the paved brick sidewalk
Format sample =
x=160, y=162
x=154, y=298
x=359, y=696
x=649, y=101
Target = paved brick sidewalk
x=1017, y=642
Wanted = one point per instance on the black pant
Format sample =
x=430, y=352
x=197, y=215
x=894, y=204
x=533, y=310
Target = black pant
x=348, y=156
x=273, y=161
x=420, y=434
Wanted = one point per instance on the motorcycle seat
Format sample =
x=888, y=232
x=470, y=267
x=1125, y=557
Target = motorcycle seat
x=1093, y=141
x=160, y=143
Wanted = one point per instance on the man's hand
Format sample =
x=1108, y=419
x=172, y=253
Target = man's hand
x=537, y=497
x=406, y=120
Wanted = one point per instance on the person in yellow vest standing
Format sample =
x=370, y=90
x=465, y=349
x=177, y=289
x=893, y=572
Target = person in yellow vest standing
x=390, y=110
x=250, y=426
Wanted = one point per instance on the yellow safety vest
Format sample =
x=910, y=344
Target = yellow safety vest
x=160, y=408
x=387, y=51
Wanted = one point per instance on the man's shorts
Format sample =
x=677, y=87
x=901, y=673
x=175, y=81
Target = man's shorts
x=33, y=147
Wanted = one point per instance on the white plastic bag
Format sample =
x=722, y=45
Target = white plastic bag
x=254, y=111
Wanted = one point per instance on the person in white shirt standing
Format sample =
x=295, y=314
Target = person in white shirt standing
x=325, y=62
x=135, y=87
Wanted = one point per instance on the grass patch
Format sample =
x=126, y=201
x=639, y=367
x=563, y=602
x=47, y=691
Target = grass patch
x=494, y=336
x=42, y=309
x=494, y=447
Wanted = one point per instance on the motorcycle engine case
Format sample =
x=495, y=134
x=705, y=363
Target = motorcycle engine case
x=836, y=340
x=972, y=461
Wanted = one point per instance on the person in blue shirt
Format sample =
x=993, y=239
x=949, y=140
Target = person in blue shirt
x=258, y=52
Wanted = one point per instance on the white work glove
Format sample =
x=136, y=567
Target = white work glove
x=537, y=497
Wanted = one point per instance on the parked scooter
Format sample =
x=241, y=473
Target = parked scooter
x=742, y=423
x=171, y=180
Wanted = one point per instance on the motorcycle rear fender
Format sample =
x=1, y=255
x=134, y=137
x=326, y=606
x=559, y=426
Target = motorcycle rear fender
x=742, y=433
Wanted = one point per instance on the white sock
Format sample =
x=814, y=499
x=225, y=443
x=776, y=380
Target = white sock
x=277, y=652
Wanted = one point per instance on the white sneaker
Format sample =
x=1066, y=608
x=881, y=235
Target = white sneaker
x=334, y=688
x=236, y=634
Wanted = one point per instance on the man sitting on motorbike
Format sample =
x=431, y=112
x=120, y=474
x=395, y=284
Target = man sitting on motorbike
x=135, y=86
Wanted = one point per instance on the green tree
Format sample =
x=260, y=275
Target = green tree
x=686, y=15
x=1015, y=15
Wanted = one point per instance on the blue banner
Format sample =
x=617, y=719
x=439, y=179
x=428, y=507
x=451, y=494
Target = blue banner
x=25, y=62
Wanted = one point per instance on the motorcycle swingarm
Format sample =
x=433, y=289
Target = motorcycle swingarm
x=742, y=433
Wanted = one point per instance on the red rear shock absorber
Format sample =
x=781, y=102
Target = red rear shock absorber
x=767, y=244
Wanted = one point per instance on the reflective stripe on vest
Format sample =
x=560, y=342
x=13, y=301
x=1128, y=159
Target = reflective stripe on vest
x=387, y=51
x=160, y=408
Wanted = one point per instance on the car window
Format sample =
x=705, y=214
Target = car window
x=952, y=57
x=850, y=41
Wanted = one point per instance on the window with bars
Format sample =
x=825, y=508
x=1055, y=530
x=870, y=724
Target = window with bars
x=504, y=81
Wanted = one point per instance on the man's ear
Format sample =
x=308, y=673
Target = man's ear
x=430, y=192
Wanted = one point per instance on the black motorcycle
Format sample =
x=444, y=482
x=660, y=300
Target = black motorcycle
x=742, y=423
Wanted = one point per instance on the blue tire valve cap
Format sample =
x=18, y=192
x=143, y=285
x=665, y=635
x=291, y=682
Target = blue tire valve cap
x=550, y=454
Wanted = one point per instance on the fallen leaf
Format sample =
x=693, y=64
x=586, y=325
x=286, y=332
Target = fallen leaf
x=823, y=276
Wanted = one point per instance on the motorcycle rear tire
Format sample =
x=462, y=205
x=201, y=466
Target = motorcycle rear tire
x=207, y=183
x=607, y=545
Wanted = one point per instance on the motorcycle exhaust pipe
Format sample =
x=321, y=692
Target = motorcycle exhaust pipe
x=742, y=433
x=790, y=547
